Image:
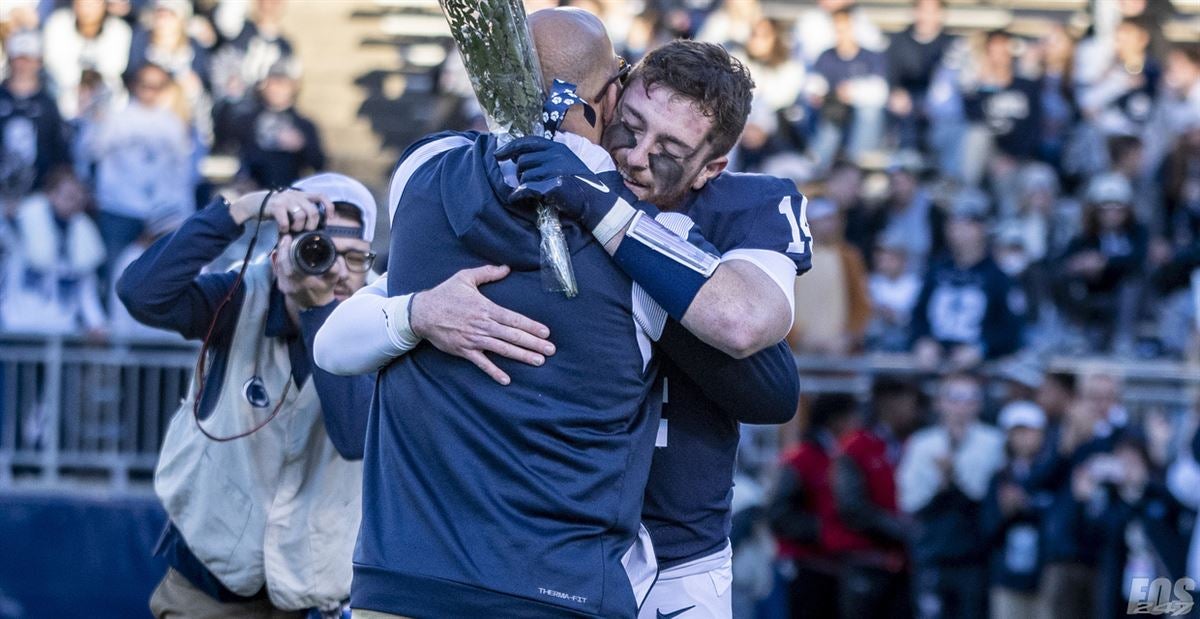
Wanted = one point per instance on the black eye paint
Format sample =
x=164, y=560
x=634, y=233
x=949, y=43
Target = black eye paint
x=617, y=136
x=667, y=171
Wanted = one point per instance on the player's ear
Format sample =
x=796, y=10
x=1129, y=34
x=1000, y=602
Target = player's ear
x=608, y=104
x=710, y=169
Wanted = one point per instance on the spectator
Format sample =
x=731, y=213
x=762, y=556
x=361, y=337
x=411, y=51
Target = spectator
x=1178, y=285
x=95, y=102
x=1012, y=522
x=1121, y=98
x=841, y=284
x=909, y=214
x=85, y=37
x=780, y=79
x=1016, y=379
x=51, y=281
x=1046, y=221
x=1092, y=426
x=32, y=134
x=1055, y=54
x=849, y=87
x=868, y=531
x=1181, y=190
x=278, y=144
x=1004, y=109
x=1031, y=288
x=942, y=478
x=1181, y=95
x=815, y=30
x=894, y=289
x=142, y=156
x=912, y=57
x=966, y=311
x=1054, y=396
x=802, y=506
x=1183, y=479
x=1137, y=524
x=1101, y=270
x=243, y=62
x=165, y=42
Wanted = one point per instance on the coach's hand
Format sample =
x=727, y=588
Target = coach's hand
x=549, y=172
x=457, y=319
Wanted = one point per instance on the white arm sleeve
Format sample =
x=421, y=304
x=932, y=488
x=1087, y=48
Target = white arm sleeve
x=377, y=324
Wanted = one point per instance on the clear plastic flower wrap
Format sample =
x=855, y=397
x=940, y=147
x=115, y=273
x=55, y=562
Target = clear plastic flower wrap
x=497, y=50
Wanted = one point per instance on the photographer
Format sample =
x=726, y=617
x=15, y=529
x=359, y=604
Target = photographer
x=263, y=510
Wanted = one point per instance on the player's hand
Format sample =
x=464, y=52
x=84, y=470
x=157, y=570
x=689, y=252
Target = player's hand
x=549, y=172
x=304, y=290
x=457, y=319
x=293, y=211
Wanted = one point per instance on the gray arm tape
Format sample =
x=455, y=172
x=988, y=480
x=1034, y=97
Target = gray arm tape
x=660, y=239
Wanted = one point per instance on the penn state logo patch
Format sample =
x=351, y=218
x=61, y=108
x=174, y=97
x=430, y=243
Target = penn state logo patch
x=256, y=393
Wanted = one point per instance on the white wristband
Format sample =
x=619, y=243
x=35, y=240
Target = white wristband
x=615, y=221
x=399, y=323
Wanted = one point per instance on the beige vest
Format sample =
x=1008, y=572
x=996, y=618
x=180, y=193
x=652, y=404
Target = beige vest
x=279, y=507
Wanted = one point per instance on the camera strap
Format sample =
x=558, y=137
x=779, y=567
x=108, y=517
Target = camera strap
x=254, y=389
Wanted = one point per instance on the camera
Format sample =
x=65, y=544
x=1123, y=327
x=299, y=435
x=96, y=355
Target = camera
x=313, y=252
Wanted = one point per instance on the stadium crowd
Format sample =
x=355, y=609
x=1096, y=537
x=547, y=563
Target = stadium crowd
x=107, y=111
x=978, y=198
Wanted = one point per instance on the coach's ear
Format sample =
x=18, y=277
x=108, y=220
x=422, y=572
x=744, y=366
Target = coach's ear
x=710, y=169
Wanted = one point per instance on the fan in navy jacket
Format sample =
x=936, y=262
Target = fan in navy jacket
x=968, y=310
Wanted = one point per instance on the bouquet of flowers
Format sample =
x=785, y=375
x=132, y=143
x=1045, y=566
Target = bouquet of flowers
x=498, y=53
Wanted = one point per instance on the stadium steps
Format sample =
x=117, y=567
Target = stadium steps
x=332, y=93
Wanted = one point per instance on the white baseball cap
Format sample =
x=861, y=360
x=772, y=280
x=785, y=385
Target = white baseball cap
x=342, y=188
x=1022, y=414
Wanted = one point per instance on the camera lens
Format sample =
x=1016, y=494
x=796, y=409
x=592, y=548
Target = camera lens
x=314, y=252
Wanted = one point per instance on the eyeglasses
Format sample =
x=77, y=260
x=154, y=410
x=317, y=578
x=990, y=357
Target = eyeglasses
x=358, y=261
x=622, y=74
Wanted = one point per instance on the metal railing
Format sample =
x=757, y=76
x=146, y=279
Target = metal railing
x=73, y=412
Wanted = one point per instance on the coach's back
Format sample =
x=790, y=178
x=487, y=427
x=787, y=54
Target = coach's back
x=490, y=500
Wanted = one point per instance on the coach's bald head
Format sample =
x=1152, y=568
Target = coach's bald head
x=573, y=46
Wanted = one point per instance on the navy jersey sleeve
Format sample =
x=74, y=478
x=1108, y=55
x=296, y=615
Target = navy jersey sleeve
x=164, y=289
x=763, y=388
x=752, y=211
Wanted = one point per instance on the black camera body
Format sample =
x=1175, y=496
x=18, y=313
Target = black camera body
x=313, y=252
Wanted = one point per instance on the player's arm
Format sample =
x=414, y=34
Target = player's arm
x=763, y=388
x=736, y=307
x=453, y=316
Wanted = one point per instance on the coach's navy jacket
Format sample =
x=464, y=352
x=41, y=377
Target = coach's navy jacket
x=482, y=500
